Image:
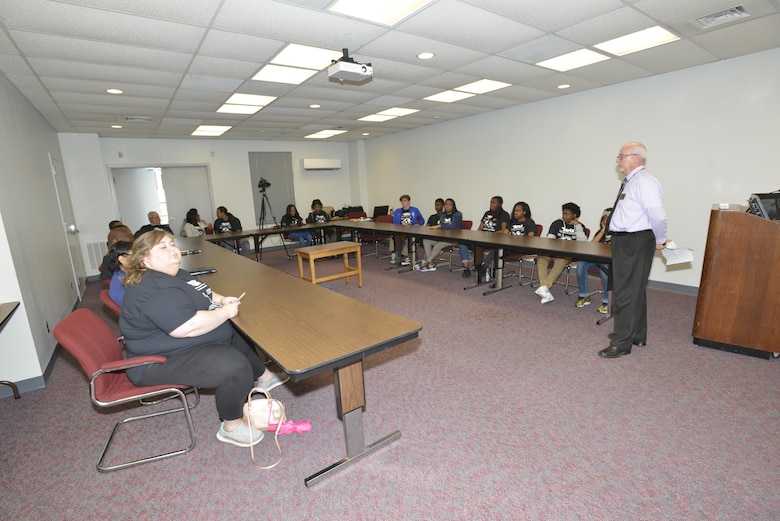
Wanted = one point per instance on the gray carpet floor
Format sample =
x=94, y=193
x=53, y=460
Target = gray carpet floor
x=506, y=412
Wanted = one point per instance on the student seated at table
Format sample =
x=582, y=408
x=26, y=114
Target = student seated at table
x=193, y=225
x=116, y=262
x=521, y=222
x=291, y=219
x=433, y=222
x=407, y=215
x=168, y=312
x=319, y=216
x=569, y=228
x=583, y=267
x=495, y=220
x=450, y=219
x=226, y=222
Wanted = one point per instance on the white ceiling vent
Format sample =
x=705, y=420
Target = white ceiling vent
x=321, y=164
x=723, y=17
x=136, y=119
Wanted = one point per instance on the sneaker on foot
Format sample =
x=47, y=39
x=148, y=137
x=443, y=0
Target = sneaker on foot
x=547, y=298
x=603, y=309
x=418, y=267
x=582, y=302
x=542, y=291
x=429, y=267
x=406, y=261
x=241, y=436
x=466, y=273
x=276, y=380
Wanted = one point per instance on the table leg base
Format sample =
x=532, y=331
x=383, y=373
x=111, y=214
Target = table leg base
x=327, y=471
x=496, y=290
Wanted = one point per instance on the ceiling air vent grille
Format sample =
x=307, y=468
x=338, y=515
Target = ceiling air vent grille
x=137, y=119
x=723, y=17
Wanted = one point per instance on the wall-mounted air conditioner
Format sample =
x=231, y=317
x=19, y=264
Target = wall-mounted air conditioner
x=321, y=164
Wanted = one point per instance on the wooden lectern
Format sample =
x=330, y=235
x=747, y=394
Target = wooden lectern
x=738, y=308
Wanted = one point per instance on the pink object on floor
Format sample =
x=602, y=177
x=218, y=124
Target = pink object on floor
x=289, y=427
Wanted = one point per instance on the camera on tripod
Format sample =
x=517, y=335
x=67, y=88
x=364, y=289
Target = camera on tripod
x=263, y=184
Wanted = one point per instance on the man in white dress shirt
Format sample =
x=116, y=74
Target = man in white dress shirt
x=638, y=228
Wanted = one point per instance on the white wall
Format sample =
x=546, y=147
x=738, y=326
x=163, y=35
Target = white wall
x=88, y=159
x=33, y=250
x=710, y=132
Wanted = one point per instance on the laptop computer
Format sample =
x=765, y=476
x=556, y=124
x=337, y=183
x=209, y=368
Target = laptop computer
x=380, y=210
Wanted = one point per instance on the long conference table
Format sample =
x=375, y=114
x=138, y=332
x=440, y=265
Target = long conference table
x=269, y=316
x=583, y=250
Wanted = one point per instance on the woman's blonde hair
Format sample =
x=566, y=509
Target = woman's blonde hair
x=134, y=263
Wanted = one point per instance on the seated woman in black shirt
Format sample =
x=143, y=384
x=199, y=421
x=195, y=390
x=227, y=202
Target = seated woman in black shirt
x=166, y=311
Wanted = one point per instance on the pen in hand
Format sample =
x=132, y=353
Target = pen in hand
x=242, y=295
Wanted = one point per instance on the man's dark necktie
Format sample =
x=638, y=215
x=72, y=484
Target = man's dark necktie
x=620, y=192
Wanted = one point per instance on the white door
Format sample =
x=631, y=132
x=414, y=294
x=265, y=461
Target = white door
x=136, y=194
x=69, y=228
x=183, y=188
x=187, y=187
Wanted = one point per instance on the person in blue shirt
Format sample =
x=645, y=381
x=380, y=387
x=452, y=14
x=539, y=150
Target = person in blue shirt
x=407, y=215
x=116, y=262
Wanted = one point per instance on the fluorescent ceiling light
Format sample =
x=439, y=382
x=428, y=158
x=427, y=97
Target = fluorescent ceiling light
x=324, y=134
x=448, y=96
x=116, y=126
x=250, y=99
x=385, y=12
x=377, y=118
x=278, y=74
x=210, y=130
x=239, y=109
x=425, y=56
x=638, y=41
x=398, y=111
x=114, y=91
x=573, y=60
x=306, y=57
x=483, y=86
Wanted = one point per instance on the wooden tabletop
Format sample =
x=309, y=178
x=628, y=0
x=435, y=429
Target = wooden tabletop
x=259, y=232
x=330, y=331
x=587, y=251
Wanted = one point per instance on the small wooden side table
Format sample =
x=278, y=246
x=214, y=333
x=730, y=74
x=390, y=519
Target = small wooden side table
x=344, y=248
x=6, y=310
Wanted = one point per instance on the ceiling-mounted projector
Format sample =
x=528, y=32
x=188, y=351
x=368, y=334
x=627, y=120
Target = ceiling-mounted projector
x=347, y=69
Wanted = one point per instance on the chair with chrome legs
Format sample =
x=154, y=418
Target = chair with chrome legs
x=84, y=335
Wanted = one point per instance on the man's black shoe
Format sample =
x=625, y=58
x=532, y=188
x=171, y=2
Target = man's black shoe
x=614, y=352
x=639, y=343
x=466, y=273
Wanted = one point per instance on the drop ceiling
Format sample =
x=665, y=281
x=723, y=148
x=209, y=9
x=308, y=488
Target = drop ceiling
x=178, y=61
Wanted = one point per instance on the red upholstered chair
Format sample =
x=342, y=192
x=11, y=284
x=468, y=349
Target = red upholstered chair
x=84, y=335
x=377, y=237
x=109, y=303
x=347, y=235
